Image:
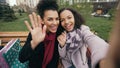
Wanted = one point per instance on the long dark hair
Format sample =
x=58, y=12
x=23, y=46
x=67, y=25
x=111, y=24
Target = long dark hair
x=44, y=5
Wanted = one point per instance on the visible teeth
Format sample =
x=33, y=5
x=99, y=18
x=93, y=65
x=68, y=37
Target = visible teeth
x=53, y=27
x=67, y=26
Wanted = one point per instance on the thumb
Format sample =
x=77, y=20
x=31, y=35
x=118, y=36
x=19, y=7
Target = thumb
x=65, y=32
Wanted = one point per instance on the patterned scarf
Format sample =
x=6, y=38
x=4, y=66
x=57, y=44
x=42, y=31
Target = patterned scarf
x=49, y=48
x=73, y=40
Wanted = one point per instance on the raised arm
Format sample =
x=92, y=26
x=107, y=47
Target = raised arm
x=37, y=31
x=62, y=47
x=35, y=37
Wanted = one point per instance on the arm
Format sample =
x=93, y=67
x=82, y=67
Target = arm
x=97, y=46
x=26, y=52
x=36, y=36
x=37, y=31
x=62, y=46
x=62, y=51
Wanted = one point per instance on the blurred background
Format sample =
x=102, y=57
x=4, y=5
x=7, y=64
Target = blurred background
x=99, y=14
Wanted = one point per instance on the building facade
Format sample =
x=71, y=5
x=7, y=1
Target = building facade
x=27, y=5
x=30, y=3
x=70, y=2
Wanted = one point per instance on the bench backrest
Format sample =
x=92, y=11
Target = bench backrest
x=5, y=37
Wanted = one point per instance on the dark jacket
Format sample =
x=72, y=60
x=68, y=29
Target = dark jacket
x=35, y=57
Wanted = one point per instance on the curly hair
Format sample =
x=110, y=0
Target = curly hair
x=44, y=5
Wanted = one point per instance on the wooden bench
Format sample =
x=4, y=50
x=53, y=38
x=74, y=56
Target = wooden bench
x=5, y=37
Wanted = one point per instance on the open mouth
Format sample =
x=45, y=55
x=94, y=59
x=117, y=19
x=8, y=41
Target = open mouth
x=54, y=27
x=68, y=27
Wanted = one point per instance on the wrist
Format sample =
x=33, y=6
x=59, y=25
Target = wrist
x=61, y=46
x=33, y=44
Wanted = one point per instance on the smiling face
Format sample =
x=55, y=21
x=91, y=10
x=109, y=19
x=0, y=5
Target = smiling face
x=51, y=20
x=67, y=20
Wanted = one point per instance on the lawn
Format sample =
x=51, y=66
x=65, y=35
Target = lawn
x=102, y=26
x=16, y=25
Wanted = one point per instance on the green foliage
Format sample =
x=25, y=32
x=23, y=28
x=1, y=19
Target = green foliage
x=6, y=13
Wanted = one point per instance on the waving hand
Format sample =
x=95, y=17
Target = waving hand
x=37, y=31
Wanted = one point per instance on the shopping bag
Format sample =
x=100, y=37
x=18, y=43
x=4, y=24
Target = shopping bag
x=3, y=63
x=11, y=55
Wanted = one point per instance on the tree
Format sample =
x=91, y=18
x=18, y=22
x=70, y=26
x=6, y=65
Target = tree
x=6, y=13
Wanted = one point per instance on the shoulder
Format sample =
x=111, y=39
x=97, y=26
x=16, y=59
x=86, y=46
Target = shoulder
x=84, y=27
x=85, y=31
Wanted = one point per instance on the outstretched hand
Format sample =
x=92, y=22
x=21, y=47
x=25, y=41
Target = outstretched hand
x=37, y=31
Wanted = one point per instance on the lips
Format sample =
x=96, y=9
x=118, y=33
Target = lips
x=54, y=27
x=68, y=27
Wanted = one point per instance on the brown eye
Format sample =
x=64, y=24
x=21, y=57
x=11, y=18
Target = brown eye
x=57, y=19
x=50, y=19
x=69, y=17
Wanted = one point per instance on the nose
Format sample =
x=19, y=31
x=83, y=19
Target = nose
x=55, y=21
x=66, y=21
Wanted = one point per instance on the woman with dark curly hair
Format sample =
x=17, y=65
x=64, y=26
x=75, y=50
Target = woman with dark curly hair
x=41, y=47
x=75, y=40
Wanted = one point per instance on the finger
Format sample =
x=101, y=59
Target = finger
x=63, y=34
x=39, y=21
x=28, y=25
x=32, y=21
x=60, y=40
x=35, y=19
x=61, y=37
x=44, y=29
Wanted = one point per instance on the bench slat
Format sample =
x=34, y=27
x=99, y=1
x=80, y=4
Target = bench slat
x=8, y=39
x=5, y=34
x=5, y=37
x=22, y=43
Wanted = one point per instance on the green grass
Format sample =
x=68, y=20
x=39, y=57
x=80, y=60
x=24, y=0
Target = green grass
x=100, y=25
x=16, y=25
